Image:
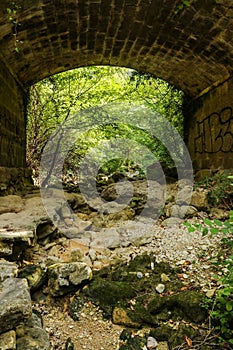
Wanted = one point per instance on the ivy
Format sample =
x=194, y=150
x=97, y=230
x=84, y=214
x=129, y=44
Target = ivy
x=182, y=5
x=12, y=12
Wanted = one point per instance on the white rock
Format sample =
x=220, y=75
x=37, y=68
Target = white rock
x=151, y=343
x=160, y=288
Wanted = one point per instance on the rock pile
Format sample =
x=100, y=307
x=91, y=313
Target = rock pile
x=20, y=327
x=98, y=258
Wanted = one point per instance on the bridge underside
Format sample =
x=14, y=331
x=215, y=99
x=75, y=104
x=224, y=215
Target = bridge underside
x=192, y=48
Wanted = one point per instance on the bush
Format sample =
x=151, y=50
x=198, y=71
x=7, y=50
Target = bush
x=220, y=190
x=221, y=311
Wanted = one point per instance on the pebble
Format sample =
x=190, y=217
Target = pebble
x=151, y=343
x=160, y=288
x=139, y=275
x=164, y=278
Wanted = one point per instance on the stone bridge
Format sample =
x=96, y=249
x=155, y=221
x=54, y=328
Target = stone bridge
x=190, y=47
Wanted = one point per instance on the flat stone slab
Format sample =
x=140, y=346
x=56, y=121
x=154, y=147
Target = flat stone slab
x=11, y=238
x=15, y=303
x=16, y=235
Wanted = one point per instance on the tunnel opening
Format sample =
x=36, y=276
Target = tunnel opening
x=57, y=98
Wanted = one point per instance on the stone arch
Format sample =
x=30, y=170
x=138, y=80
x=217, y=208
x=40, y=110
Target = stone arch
x=190, y=47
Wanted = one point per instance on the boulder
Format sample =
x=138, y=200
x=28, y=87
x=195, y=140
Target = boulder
x=185, y=305
x=184, y=195
x=77, y=202
x=8, y=341
x=15, y=303
x=121, y=191
x=174, y=336
x=172, y=221
x=120, y=317
x=75, y=308
x=136, y=232
x=219, y=214
x=200, y=199
x=66, y=277
x=31, y=336
x=108, y=293
x=182, y=211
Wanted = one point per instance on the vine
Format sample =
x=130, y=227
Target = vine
x=182, y=5
x=12, y=11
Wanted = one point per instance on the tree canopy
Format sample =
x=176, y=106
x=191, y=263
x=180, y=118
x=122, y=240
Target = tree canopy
x=56, y=98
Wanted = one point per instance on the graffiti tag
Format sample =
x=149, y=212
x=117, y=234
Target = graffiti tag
x=215, y=133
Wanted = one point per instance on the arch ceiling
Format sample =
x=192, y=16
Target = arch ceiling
x=191, y=48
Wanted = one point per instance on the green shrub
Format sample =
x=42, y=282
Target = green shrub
x=220, y=190
x=221, y=310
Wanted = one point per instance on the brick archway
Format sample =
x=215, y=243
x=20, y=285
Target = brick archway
x=191, y=48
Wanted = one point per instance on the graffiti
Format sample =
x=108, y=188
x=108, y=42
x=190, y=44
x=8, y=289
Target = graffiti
x=215, y=133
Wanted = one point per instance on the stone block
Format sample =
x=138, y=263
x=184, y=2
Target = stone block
x=15, y=303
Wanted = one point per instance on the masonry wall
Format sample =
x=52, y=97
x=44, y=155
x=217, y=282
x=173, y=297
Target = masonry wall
x=12, y=121
x=209, y=128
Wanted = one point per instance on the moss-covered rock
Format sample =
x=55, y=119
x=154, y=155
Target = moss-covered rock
x=75, y=308
x=184, y=305
x=67, y=277
x=131, y=342
x=107, y=294
x=35, y=275
x=175, y=336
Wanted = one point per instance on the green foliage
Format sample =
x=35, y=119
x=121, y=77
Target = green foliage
x=182, y=5
x=220, y=190
x=221, y=312
x=54, y=99
x=12, y=11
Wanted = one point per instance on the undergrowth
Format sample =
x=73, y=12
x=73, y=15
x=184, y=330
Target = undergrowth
x=220, y=190
x=221, y=307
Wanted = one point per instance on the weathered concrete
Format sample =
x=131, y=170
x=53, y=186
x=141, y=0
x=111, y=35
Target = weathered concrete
x=191, y=48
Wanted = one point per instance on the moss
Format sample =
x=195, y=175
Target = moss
x=184, y=305
x=175, y=337
x=108, y=294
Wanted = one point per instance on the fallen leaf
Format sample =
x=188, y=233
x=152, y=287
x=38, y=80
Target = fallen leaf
x=184, y=288
x=188, y=341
